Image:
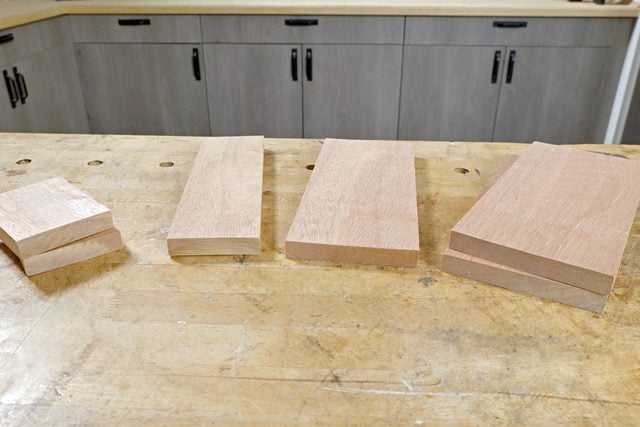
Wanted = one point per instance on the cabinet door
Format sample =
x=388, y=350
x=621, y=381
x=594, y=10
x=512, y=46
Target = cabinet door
x=143, y=88
x=54, y=101
x=254, y=89
x=450, y=92
x=351, y=91
x=554, y=95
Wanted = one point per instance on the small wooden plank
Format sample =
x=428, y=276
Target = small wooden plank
x=220, y=209
x=49, y=214
x=90, y=247
x=359, y=206
x=559, y=213
x=478, y=269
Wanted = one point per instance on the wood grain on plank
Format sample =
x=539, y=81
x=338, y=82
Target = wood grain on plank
x=49, y=214
x=359, y=206
x=559, y=213
x=220, y=209
x=90, y=247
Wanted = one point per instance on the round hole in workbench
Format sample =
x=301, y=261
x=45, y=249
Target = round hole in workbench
x=310, y=167
x=95, y=162
x=463, y=171
x=23, y=161
x=166, y=164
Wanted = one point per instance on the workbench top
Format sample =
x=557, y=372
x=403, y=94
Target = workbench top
x=137, y=337
x=17, y=12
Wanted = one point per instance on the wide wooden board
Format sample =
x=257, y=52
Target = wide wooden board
x=359, y=206
x=515, y=280
x=220, y=209
x=559, y=213
x=90, y=247
x=48, y=214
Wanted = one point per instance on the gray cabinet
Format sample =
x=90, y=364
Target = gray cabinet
x=39, y=87
x=144, y=88
x=351, y=91
x=555, y=94
x=560, y=88
x=450, y=92
x=47, y=94
x=253, y=89
x=286, y=76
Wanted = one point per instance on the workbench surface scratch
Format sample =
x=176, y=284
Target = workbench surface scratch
x=138, y=337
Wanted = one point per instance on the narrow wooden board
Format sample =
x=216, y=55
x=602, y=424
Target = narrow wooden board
x=90, y=247
x=496, y=274
x=220, y=209
x=558, y=212
x=359, y=206
x=49, y=214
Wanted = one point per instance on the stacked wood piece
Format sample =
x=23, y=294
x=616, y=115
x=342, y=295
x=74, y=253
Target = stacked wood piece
x=554, y=225
x=359, y=206
x=51, y=224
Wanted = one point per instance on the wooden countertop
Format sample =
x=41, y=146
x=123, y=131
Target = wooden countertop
x=137, y=337
x=17, y=12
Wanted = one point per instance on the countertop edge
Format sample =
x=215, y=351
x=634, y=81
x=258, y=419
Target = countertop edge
x=41, y=12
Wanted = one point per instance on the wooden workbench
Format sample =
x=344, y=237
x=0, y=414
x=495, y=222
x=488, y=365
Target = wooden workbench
x=137, y=337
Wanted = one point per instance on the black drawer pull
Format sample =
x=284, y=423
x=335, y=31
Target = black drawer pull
x=300, y=22
x=294, y=65
x=511, y=66
x=11, y=88
x=134, y=22
x=510, y=24
x=22, y=85
x=195, y=62
x=497, y=57
x=6, y=38
x=309, y=65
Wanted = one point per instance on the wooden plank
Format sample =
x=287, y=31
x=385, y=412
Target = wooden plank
x=359, y=206
x=49, y=214
x=90, y=247
x=220, y=209
x=478, y=269
x=559, y=213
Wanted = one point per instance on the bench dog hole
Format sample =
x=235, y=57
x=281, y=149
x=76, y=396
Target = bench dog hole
x=23, y=162
x=95, y=162
x=462, y=170
x=166, y=164
x=310, y=167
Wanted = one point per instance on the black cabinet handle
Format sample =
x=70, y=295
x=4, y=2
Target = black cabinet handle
x=22, y=85
x=294, y=65
x=134, y=22
x=300, y=22
x=195, y=62
x=6, y=38
x=11, y=88
x=309, y=65
x=510, y=24
x=497, y=57
x=511, y=66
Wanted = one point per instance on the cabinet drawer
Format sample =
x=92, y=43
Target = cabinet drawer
x=136, y=29
x=517, y=31
x=303, y=29
x=20, y=42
